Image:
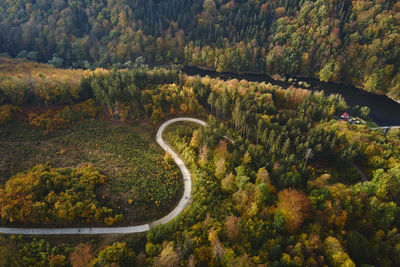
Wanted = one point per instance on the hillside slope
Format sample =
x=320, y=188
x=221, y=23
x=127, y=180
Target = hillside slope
x=356, y=42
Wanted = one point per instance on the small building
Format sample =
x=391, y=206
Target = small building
x=352, y=120
x=345, y=116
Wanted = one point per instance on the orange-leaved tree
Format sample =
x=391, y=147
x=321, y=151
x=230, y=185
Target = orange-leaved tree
x=295, y=207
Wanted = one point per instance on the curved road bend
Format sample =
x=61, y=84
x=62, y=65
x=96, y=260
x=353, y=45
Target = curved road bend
x=129, y=229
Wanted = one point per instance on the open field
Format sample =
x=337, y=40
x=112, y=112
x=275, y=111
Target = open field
x=140, y=185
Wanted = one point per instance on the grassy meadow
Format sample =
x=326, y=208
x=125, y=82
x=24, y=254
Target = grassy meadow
x=140, y=184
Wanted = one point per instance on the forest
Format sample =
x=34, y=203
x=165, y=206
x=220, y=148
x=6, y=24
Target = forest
x=352, y=41
x=277, y=178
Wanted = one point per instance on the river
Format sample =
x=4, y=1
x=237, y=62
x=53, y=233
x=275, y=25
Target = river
x=384, y=111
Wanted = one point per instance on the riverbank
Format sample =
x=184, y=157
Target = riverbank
x=383, y=110
x=395, y=100
x=285, y=77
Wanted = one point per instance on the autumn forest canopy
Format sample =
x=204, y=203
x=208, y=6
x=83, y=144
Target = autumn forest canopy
x=356, y=42
x=278, y=177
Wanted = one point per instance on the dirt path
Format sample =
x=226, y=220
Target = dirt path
x=363, y=176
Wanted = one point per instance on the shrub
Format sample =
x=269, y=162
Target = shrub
x=46, y=194
x=51, y=120
x=118, y=253
x=7, y=113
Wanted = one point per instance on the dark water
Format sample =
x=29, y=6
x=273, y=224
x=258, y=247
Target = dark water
x=384, y=111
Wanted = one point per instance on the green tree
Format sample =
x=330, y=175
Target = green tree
x=117, y=253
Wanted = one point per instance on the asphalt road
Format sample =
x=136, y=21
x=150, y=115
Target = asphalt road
x=185, y=200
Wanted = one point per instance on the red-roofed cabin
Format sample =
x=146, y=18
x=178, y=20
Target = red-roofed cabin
x=345, y=116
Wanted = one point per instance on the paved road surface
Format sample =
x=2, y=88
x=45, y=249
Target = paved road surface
x=387, y=127
x=129, y=229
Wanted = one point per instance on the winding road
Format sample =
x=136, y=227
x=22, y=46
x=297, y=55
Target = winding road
x=387, y=127
x=129, y=229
